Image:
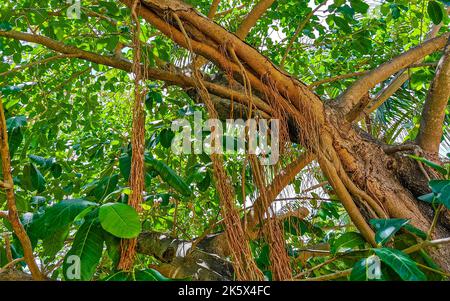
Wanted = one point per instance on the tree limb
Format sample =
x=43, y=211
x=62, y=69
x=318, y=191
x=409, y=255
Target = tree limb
x=13, y=214
x=169, y=77
x=398, y=80
x=253, y=17
x=213, y=9
x=433, y=113
x=350, y=98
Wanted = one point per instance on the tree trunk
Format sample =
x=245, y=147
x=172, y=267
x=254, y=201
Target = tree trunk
x=393, y=180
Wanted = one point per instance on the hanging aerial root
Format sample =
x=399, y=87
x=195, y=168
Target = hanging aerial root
x=243, y=262
x=272, y=228
x=137, y=174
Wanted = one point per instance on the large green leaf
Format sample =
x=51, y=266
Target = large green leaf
x=401, y=263
x=52, y=244
x=14, y=126
x=431, y=164
x=359, y=6
x=168, y=175
x=150, y=275
x=120, y=220
x=58, y=216
x=32, y=179
x=435, y=12
x=100, y=189
x=347, y=241
x=165, y=137
x=386, y=228
x=125, y=165
x=112, y=247
x=87, y=247
x=441, y=188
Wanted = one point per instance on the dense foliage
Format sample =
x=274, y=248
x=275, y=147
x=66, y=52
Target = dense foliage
x=69, y=126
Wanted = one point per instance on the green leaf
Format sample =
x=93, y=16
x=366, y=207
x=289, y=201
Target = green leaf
x=150, y=275
x=58, y=216
x=441, y=188
x=428, y=198
x=359, y=6
x=55, y=242
x=401, y=263
x=112, y=247
x=204, y=183
x=347, y=241
x=386, y=228
x=14, y=126
x=151, y=98
x=99, y=189
x=436, y=166
x=415, y=231
x=165, y=137
x=125, y=165
x=120, y=220
x=32, y=178
x=342, y=23
x=168, y=175
x=56, y=170
x=118, y=276
x=435, y=12
x=88, y=246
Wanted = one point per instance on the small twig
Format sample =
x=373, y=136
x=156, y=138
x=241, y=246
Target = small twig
x=298, y=276
x=426, y=243
x=433, y=270
x=49, y=59
x=314, y=187
x=11, y=264
x=305, y=198
x=391, y=149
x=332, y=276
x=435, y=220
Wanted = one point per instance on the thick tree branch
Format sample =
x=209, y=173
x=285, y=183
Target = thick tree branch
x=253, y=17
x=13, y=214
x=398, y=80
x=212, y=37
x=169, y=77
x=351, y=97
x=213, y=8
x=433, y=113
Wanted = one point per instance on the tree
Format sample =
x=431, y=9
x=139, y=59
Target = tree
x=358, y=136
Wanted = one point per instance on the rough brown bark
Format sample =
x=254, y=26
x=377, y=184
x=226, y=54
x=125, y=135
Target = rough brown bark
x=356, y=168
x=361, y=173
x=433, y=114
